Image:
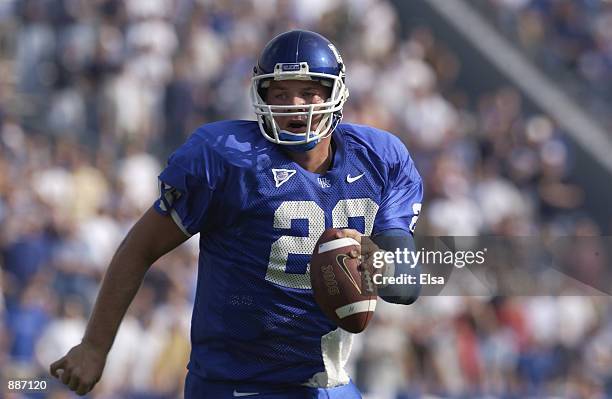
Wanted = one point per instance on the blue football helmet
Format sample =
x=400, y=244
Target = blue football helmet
x=299, y=55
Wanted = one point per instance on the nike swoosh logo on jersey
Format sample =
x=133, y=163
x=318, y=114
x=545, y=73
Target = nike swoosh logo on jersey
x=353, y=179
x=237, y=394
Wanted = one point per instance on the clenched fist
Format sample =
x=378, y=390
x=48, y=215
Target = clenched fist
x=81, y=368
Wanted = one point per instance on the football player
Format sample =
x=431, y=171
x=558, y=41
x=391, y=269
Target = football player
x=260, y=194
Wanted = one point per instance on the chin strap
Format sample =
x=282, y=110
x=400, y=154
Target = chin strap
x=287, y=136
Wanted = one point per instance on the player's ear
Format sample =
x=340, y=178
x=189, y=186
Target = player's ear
x=326, y=91
x=264, y=89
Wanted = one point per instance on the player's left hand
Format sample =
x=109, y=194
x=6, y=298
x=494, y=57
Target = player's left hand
x=367, y=247
x=355, y=235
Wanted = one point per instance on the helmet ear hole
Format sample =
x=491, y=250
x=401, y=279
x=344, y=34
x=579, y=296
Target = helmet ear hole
x=262, y=88
x=263, y=93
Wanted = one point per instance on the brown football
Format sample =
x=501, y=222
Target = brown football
x=345, y=294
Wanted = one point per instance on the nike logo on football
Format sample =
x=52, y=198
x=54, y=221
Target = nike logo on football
x=237, y=394
x=340, y=259
x=350, y=179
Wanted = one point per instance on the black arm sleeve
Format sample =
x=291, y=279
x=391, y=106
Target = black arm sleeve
x=405, y=294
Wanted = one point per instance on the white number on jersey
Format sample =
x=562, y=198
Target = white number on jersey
x=309, y=210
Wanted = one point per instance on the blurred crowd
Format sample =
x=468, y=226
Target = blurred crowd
x=95, y=94
x=570, y=39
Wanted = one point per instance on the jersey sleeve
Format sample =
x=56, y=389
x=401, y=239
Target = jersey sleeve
x=188, y=185
x=401, y=203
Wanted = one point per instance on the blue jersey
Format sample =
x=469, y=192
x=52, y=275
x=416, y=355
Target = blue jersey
x=259, y=215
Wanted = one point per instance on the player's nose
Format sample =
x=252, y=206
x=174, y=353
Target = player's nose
x=298, y=100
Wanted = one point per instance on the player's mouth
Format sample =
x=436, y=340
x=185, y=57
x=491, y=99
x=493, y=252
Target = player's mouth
x=297, y=126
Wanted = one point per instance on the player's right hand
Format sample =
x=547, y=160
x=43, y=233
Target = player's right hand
x=81, y=368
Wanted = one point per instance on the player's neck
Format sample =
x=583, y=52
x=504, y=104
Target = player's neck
x=317, y=160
